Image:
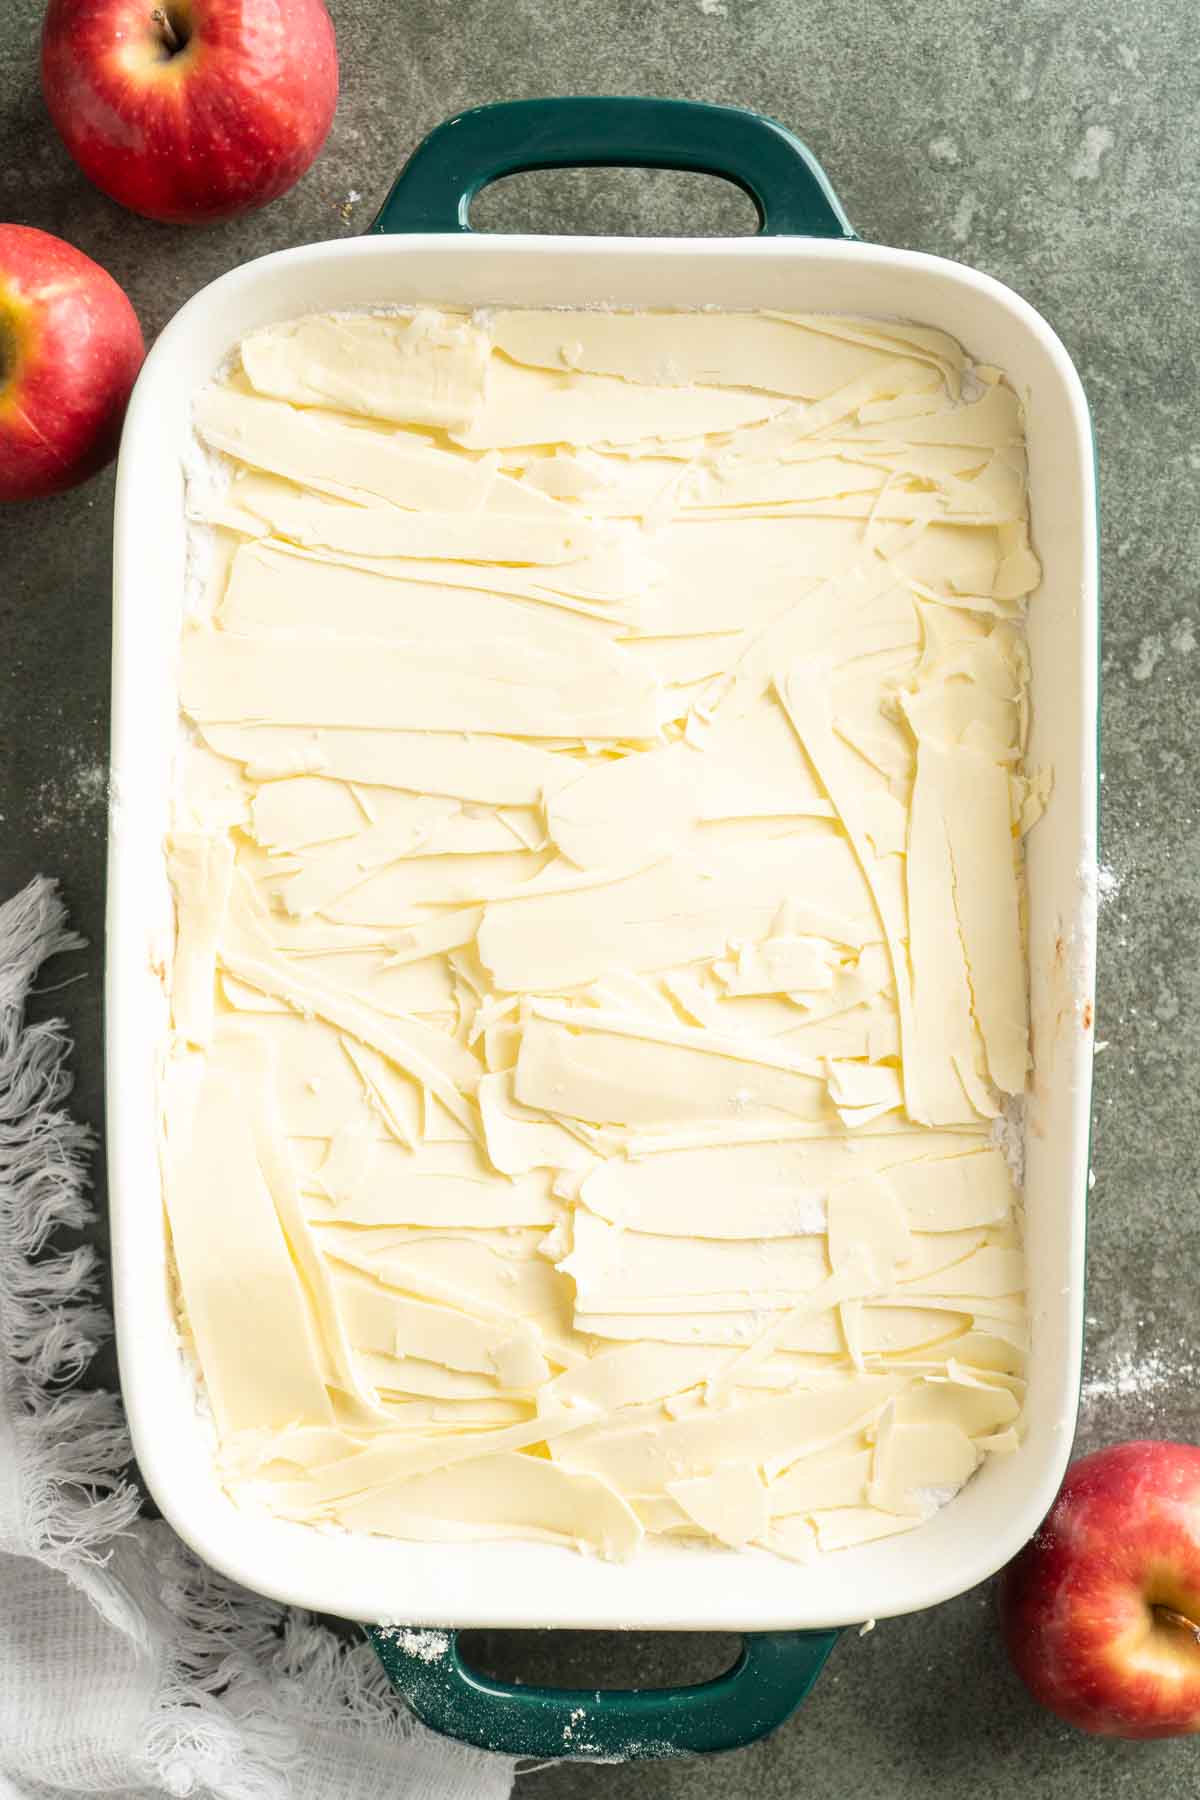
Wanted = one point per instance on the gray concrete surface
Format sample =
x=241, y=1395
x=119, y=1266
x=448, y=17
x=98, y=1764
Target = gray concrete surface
x=1048, y=142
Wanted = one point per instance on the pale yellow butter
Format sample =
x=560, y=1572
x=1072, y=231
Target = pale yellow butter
x=599, y=956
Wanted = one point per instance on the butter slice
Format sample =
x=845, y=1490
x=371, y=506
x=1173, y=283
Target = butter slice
x=919, y=1467
x=228, y=678
x=499, y=770
x=253, y=1328
x=333, y=456
x=500, y=1495
x=534, y=406
x=606, y=1072
x=836, y=1478
x=424, y=368
x=680, y=350
x=730, y=1504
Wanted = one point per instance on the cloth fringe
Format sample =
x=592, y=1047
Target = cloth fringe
x=66, y=1494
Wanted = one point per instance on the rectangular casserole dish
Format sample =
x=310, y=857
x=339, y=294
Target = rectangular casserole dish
x=439, y=260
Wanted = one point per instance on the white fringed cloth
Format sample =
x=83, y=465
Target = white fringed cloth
x=126, y=1666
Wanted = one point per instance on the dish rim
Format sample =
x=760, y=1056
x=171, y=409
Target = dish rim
x=193, y=1521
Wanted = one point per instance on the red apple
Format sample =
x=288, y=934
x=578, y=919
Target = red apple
x=190, y=110
x=70, y=350
x=1101, y=1610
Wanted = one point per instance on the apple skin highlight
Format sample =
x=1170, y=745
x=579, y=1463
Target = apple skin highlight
x=1101, y=1609
x=70, y=350
x=191, y=111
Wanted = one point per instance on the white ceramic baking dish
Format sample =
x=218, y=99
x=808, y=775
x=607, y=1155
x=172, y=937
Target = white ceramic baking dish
x=437, y=260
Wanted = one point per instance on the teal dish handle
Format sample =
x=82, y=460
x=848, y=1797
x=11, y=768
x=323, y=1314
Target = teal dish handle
x=789, y=188
x=763, y=1688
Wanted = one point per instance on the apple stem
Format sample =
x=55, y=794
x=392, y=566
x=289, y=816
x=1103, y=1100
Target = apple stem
x=170, y=36
x=1179, y=1620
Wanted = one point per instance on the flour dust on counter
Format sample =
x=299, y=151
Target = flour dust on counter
x=600, y=963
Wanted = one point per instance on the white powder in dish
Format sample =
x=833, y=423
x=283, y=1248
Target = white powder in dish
x=932, y=1499
x=1008, y=1135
